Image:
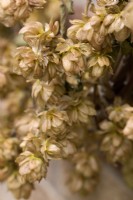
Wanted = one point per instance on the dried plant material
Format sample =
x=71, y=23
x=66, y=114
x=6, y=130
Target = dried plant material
x=58, y=92
x=32, y=168
x=12, y=11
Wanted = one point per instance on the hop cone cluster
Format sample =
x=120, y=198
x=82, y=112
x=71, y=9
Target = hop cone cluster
x=58, y=93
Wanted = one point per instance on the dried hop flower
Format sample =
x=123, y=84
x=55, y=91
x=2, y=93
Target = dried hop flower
x=19, y=187
x=31, y=167
x=54, y=122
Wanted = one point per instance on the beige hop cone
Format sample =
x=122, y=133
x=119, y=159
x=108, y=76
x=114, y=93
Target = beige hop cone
x=27, y=123
x=27, y=63
x=51, y=149
x=31, y=167
x=120, y=112
x=80, y=110
x=11, y=11
x=80, y=184
x=9, y=148
x=19, y=187
x=85, y=174
x=73, y=59
x=31, y=143
x=116, y=147
x=34, y=33
x=83, y=30
x=86, y=164
x=54, y=122
x=98, y=64
x=42, y=90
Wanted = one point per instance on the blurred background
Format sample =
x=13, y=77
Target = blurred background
x=110, y=187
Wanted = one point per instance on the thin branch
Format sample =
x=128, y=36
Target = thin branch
x=87, y=7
